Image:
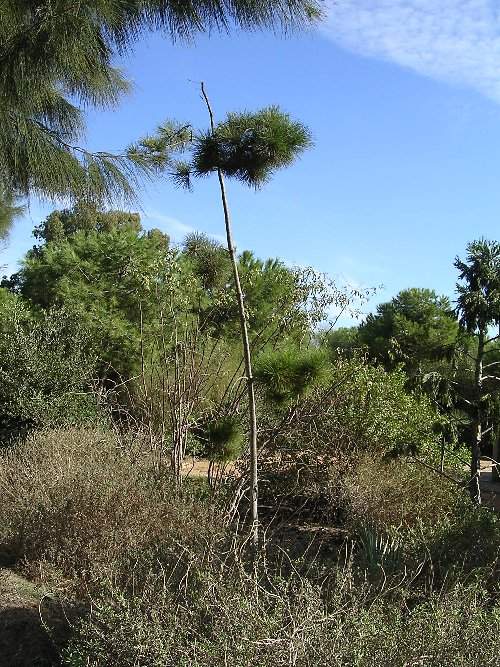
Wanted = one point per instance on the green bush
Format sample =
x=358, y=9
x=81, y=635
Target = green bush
x=362, y=408
x=45, y=370
x=223, y=439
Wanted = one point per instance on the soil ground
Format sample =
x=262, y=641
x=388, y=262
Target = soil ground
x=28, y=619
x=490, y=486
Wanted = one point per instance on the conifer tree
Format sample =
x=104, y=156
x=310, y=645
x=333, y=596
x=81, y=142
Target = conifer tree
x=9, y=210
x=248, y=147
x=56, y=58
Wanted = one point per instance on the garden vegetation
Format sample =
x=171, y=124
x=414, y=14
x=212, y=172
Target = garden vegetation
x=197, y=468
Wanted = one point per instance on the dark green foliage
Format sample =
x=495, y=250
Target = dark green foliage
x=246, y=146
x=250, y=146
x=103, y=268
x=46, y=369
x=60, y=225
x=416, y=327
x=223, y=439
x=56, y=56
x=478, y=303
x=210, y=261
x=49, y=55
x=289, y=374
x=9, y=211
x=276, y=296
x=344, y=340
x=478, y=307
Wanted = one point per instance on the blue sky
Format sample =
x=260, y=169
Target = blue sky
x=403, y=101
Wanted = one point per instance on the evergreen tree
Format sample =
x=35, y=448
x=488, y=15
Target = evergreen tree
x=416, y=327
x=248, y=147
x=56, y=57
x=9, y=211
x=103, y=268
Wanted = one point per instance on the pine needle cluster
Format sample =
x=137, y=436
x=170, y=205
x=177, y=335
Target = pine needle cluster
x=9, y=210
x=247, y=146
x=251, y=146
x=222, y=438
x=286, y=375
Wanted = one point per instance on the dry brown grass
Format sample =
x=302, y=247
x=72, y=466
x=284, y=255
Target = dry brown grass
x=77, y=502
x=396, y=493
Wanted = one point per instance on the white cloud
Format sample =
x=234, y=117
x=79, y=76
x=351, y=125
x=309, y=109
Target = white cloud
x=176, y=229
x=457, y=41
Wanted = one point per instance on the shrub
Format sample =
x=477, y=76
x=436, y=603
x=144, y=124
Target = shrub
x=390, y=493
x=362, y=408
x=167, y=587
x=223, y=439
x=45, y=370
x=76, y=500
x=220, y=616
x=431, y=520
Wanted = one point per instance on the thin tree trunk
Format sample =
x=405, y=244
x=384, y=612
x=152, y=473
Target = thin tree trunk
x=496, y=456
x=254, y=492
x=477, y=435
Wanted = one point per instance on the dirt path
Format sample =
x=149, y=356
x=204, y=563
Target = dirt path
x=24, y=639
x=490, y=487
x=199, y=467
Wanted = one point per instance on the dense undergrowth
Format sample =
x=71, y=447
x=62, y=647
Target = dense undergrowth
x=126, y=362
x=160, y=579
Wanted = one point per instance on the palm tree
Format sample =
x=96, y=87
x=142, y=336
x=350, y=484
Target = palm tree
x=478, y=307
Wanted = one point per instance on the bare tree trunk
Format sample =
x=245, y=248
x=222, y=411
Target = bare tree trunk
x=495, y=471
x=477, y=436
x=254, y=492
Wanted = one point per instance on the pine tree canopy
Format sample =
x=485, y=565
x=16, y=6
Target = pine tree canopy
x=56, y=57
x=251, y=146
x=247, y=146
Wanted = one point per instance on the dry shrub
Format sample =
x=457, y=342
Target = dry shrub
x=75, y=500
x=221, y=616
x=422, y=521
x=389, y=493
x=166, y=591
x=311, y=443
